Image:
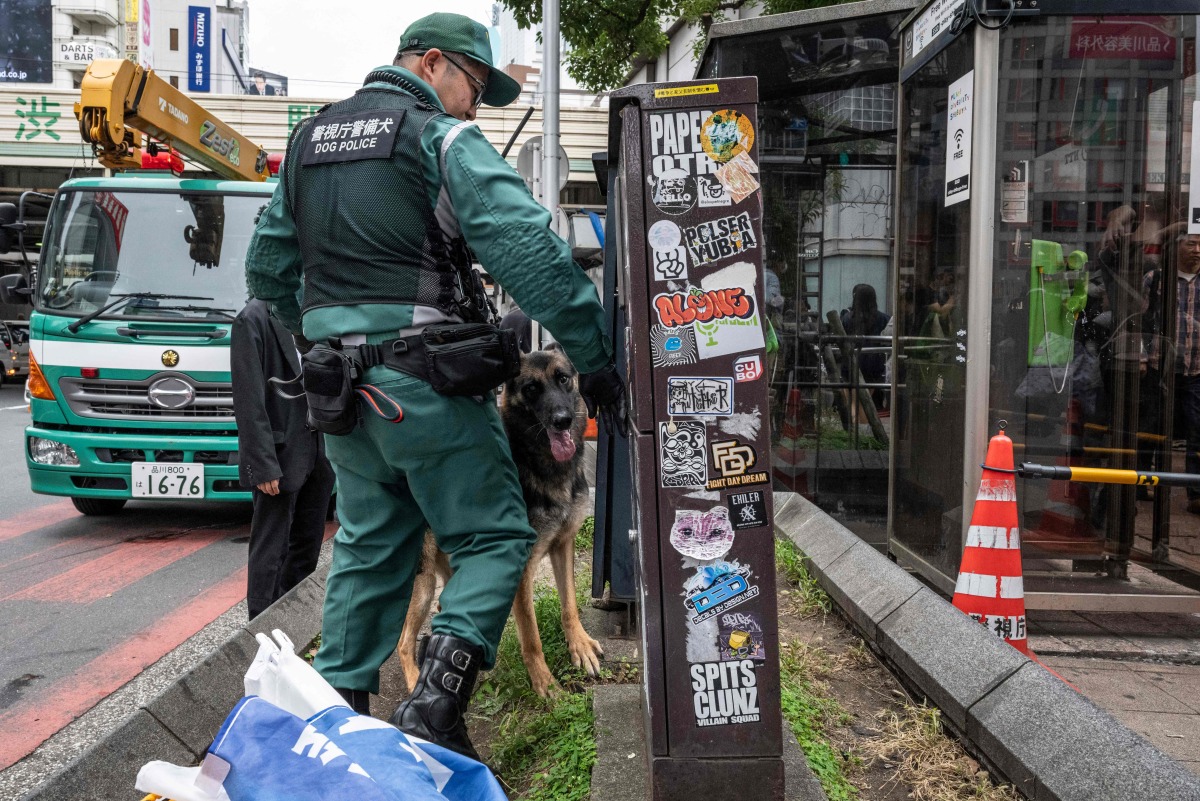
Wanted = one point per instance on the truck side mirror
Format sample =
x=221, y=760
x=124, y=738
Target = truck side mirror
x=14, y=289
x=8, y=217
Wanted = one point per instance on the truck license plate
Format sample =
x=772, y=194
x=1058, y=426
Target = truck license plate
x=168, y=480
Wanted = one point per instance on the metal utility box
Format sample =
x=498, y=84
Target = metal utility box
x=688, y=228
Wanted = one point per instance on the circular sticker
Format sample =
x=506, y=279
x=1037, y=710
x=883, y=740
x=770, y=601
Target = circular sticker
x=725, y=134
x=674, y=192
x=664, y=235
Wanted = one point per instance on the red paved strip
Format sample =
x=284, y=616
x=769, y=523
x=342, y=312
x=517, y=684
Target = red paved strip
x=33, y=519
x=30, y=722
x=123, y=565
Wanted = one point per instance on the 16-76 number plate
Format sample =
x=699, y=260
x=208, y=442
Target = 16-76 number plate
x=168, y=480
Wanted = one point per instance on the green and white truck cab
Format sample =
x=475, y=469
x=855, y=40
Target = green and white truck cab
x=136, y=288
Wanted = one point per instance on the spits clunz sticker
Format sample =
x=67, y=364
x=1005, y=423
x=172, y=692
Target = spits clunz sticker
x=725, y=692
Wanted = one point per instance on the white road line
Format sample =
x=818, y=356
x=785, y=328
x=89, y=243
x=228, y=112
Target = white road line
x=10, y=408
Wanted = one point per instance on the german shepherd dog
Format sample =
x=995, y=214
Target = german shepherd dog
x=544, y=416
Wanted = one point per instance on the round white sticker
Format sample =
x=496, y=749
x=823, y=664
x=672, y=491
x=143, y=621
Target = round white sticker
x=664, y=235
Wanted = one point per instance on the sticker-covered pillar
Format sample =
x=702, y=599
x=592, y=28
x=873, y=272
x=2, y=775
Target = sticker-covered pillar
x=689, y=229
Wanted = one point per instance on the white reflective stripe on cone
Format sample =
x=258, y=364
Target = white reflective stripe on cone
x=1005, y=539
x=997, y=489
x=984, y=586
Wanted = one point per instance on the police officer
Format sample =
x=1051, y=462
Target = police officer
x=379, y=197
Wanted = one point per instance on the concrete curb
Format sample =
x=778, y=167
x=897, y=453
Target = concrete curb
x=1051, y=742
x=178, y=724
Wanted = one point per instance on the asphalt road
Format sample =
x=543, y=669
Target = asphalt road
x=87, y=603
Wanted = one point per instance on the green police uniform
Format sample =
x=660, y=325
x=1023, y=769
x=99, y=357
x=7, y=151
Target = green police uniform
x=447, y=465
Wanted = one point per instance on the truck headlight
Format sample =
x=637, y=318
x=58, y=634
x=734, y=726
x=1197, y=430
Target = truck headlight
x=47, y=451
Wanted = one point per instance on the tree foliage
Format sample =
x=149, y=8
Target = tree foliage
x=604, y=37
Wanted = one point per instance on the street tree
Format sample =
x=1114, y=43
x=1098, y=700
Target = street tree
x=604, y=37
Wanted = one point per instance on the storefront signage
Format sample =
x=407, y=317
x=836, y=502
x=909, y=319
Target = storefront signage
x=73, y=52
x=199, y=47
x=1124, y=38
x=145, y=49
x=958, y=139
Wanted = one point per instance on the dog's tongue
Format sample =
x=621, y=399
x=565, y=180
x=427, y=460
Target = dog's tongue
x=561, y=445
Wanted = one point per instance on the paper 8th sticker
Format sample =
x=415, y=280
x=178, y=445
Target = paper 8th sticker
x=725, y=134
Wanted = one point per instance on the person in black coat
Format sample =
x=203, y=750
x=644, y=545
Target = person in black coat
x=279, y=457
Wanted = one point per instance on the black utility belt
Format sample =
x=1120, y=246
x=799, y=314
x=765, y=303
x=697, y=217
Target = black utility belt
x=455, y=358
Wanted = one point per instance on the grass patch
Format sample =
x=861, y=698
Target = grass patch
x=542, y=749
x=586, y=537
x=808, y=596
x=809, y=711
x=927, y=761
x=310, y=653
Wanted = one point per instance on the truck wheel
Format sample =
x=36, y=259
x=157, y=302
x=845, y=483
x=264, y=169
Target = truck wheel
x=99, y=506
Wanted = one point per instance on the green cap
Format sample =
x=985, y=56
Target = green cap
x=458, y=34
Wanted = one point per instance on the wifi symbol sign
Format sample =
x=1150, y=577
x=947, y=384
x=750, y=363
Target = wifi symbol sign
x=958, y=137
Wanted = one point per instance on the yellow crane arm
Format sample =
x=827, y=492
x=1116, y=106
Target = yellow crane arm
x=119, y=101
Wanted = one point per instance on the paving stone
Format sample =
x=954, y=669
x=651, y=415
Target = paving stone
x=297, y=614
x=620, y=770
x=1056, y=745
x=1119, y=690
x=194, y=707
x=1174, y=734
x=949, y=658
x=109, y=770
x=867, y=587
x=799, y=782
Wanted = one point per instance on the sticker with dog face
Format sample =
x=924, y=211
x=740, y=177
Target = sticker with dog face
x=674, y=192
x=682, y=454
x=733, y=460
x=716, y=588
x=702, y=535
x=747, y=509
x=670, y=265
x=725, y=134
x=740, y=636
x=671, y=347
x=699, y=396
x=724, y=692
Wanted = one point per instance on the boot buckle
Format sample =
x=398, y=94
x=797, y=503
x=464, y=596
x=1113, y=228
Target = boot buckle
x=460, y=659
x=451, y=681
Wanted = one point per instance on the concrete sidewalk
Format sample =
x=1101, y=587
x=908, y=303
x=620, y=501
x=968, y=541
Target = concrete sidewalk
x=1144, y=670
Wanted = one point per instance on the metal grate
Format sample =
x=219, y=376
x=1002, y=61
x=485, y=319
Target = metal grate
x=117, y=400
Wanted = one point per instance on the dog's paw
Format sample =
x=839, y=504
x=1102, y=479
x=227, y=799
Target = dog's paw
x=543, y=682
x=586, y=653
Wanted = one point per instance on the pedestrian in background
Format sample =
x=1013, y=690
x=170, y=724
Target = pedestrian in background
x=280, y=458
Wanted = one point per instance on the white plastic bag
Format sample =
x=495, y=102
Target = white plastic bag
x=185, y=784
x=280, y=677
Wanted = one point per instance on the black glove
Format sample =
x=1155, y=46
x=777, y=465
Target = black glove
x=603, y=391
x=303, y=345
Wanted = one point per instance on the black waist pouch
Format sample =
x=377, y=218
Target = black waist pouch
x=329, y=388
x=471, y=358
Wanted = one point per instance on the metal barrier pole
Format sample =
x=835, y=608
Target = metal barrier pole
x=1103, y=475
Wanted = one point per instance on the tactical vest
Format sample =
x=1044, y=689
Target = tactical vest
x=361, y=204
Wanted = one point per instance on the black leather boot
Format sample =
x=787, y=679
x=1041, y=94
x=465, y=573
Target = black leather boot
x=435, y=708
x=359, y=700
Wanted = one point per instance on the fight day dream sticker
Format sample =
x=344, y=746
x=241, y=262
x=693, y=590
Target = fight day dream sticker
x=734, y=461
x=702, y=535
x=724, y=692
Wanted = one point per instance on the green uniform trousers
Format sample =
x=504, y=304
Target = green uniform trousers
x=447, y=467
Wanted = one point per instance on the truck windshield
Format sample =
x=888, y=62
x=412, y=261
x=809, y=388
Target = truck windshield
x=101, y=245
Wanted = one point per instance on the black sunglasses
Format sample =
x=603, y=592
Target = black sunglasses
x=478, y=99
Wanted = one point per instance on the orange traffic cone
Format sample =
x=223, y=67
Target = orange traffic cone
x=1063, y=524
x=793, y=427
x=990, y=588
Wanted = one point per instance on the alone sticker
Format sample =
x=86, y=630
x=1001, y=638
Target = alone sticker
x=702, y=535
x=730, y=334
x=725, y=134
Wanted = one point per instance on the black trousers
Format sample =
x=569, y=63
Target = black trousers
x=285, y=538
